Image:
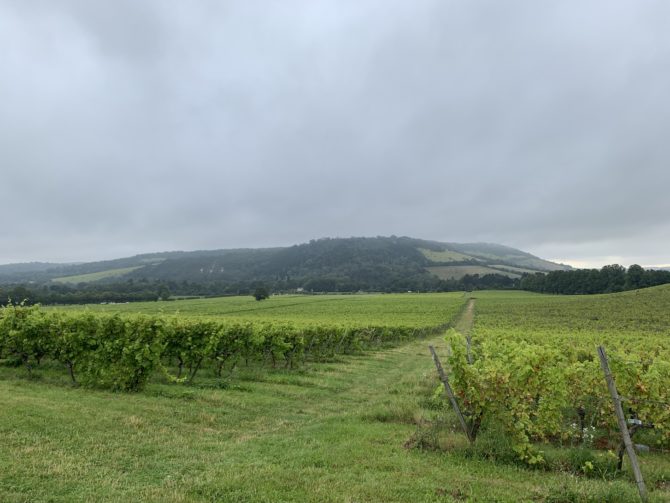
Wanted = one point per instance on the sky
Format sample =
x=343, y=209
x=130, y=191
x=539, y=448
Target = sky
x=131, y=127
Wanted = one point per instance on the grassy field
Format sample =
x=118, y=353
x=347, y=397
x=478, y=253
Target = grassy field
x=95, y=276
x=444, y=256
x=365, y=427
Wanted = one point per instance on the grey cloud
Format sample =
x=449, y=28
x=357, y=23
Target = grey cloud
x=129, y=127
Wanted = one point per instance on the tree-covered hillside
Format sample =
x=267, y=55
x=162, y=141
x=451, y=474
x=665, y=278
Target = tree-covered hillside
x=323, y=265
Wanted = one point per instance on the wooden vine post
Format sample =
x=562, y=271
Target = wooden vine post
x=450, y=393
x=616, y=399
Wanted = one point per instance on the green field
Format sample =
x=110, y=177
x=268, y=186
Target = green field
x=417, y=310
x=444, y=256
x=512, y=268
x=96, y=276
x=457, y=272
x=366, y=426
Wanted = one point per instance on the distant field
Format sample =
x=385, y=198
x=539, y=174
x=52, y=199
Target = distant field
x=444, y=256
x=523, y=261
x=512, y=268
x=382, y=309
x=95, y=276
x=458, y=271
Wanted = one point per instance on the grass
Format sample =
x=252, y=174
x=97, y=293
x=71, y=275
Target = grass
x=95, y=276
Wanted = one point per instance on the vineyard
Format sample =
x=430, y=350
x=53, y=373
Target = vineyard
x=333, y=398
x=122, y=351
x=387, y=309
x=530, y=368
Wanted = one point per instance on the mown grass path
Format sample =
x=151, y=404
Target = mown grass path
x=466, y=320
x=332, y=432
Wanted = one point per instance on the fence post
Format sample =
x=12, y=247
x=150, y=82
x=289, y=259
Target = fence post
x=450, y=393
x=622, y=423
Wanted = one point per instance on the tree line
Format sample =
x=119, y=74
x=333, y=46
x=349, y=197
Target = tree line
x=148, y=290
x=609, y=279
x=84, y=293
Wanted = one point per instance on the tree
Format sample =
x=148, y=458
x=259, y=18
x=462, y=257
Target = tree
x=20, y=294
x=635, y=277
x=615, y=276
x=163, y=292
x=261, y=293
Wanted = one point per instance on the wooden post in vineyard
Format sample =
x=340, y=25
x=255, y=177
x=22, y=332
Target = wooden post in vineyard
x=450, y=393
x=625, y=435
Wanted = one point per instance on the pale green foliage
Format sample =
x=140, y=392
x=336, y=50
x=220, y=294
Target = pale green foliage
x=122, y=351
x=535, y=375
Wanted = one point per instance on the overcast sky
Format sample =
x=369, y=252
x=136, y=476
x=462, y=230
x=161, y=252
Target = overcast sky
x=133, y=126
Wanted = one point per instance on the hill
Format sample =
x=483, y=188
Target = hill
x=337, y=264
x=352, y=257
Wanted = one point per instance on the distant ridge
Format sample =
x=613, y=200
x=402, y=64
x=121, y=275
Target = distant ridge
x=337, y=262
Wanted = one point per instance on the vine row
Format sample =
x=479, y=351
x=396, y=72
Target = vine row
x=122, y=352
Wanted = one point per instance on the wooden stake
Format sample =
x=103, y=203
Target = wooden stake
x=622, y=424
x=450, y=393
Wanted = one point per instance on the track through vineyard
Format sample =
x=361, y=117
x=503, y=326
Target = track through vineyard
x=466, y=319
x=330, y=432
x=334, y=432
